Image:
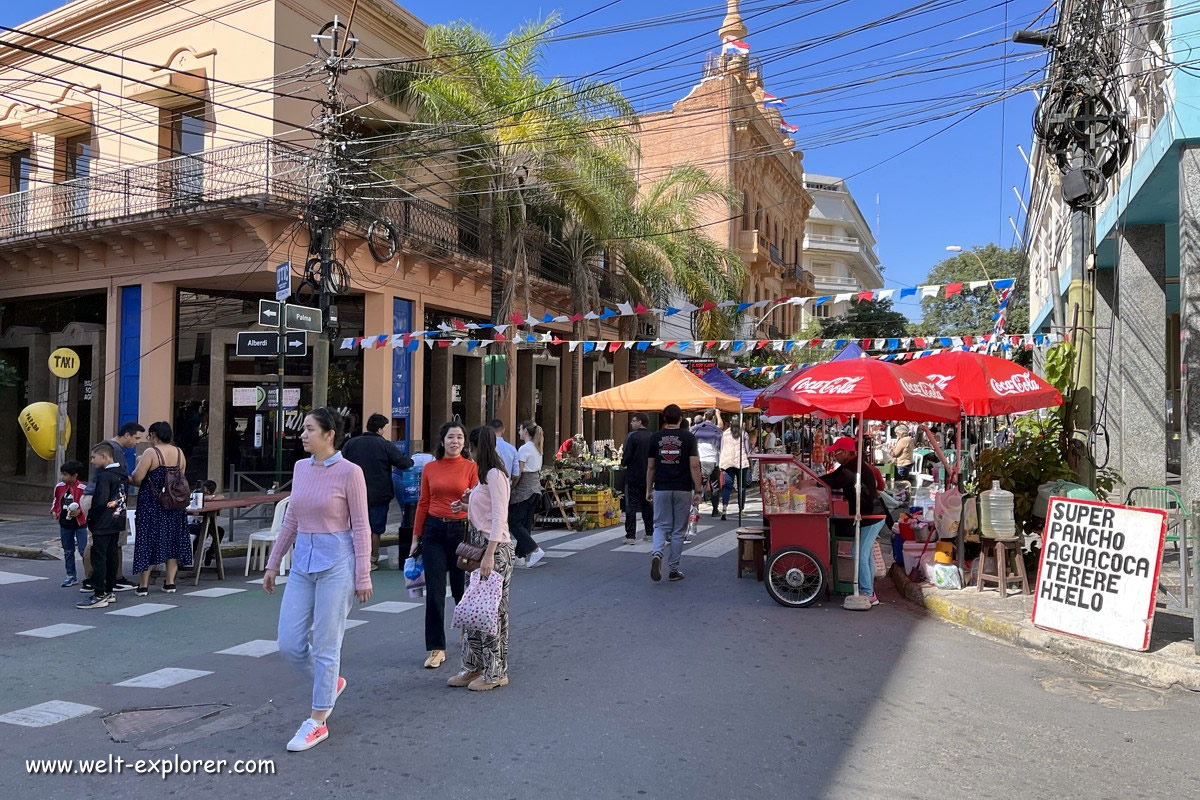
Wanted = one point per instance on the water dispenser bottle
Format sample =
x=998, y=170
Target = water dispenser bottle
x=996, y=520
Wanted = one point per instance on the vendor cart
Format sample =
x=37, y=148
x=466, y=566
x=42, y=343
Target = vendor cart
x=798, y=509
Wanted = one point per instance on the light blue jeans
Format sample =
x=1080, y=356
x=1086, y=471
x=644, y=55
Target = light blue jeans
x=671, y=513
x=312, y=621
x=866, y=556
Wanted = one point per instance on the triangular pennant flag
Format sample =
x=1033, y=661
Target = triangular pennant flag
x=627, y=345
x=929, y=291
x=885, y=294
x=556, y=340
x=843, y=297
x=576, y=317
x=822, y=300
x=589, y=347
x=531, y=320
x=614, y=347
x=348, y=343
x=907, y=293
x=517, y=319
x=670, y=311
x=643, y=346
x=737, y=346
x=573, y=345
x=1005, y=283
x=919, y=342
x=413, y=345
x=608, y=313
x=547, y=317
x=626, y=309
x=864, y=296
x=742, y=307
x=893, y=344
x=502, y=329
x=472, y=344
x=968, y=340
x=709, y=305
x=973, y=285
x=953, y=289
x=591, y=316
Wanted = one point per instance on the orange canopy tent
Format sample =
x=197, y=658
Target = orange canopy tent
x=674, y=383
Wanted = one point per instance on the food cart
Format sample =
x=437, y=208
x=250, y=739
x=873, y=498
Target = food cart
x=799, y=509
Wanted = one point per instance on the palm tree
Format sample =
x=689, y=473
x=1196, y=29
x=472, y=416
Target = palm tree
x=510, y=131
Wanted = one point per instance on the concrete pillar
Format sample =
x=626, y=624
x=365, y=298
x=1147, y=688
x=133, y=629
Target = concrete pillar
x=1108, y=366
x=620, y=376
x=112, y=347
x=473, y=395
x=157, y=390
x=604, y=424
x=1189, y=319
x=1141, y=312
x=418, y=425
x=377, y=362
x=548, y=385
x=568, y=406
x=523, y=390
x=441, y=388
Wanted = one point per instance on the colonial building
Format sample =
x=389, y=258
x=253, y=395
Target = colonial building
x=839, y=248
x=723, y=126
x=157, y=158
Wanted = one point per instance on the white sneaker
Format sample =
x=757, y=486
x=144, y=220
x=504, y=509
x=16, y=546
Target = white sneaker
x=520, y=563
x=535, y=557
x=310, y=734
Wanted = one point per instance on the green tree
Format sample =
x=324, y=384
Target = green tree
x=969, y=313
x=867, y=318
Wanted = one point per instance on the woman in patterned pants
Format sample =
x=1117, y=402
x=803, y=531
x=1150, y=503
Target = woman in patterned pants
x=485, y=656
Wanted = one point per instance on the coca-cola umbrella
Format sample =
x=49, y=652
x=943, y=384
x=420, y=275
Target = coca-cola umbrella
x=987, y=386
x=865, y=388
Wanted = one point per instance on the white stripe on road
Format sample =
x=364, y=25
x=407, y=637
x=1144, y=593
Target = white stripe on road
x=216, y=591
x=16, y=577
x=282, y=579
x=715, y=547
x=163, y=678
x=354, y=623
x=550, y=536
x=142, y=610
x=44, y=714
x=556, y=554
x=391, y=607
x=255, y=648
x=53, y=631
x=607, y=535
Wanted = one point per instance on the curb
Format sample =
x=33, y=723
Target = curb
x=1093, y=654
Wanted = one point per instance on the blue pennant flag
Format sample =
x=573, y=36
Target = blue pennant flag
x=413, y=345
x=486, y=326
x=671, y=311
x=1040, y=338
x=839, y=344
x=608, y=314
x=787, y=348
x=683, y=346
x=530, y=338
x=589, y=347
x=737, y=346
x=995, y=316
x=893, y=344
x=907, y=293
x=743, y=306
x=823, y=300
x=547, y=317
x=1005, y=283
x=472, y=344
x=643, y=346
x=944, y=341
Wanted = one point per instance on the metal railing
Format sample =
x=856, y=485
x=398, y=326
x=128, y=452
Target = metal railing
x=824, y=237
x=249, y=169
x=835, y=280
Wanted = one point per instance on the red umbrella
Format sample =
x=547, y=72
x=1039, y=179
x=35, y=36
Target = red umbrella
x=862, y=387
x=987, y=386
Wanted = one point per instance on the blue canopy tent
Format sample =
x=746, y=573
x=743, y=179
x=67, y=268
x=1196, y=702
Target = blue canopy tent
x=720, y=380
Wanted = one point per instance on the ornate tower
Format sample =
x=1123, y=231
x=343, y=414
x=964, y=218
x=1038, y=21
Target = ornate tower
x=732, y=27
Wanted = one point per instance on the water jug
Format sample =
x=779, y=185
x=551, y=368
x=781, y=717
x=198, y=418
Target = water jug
x=996, y=519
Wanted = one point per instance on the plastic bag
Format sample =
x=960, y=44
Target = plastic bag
x=943, y=576
x=414, y=567
x=479, y=609
x=947, y=513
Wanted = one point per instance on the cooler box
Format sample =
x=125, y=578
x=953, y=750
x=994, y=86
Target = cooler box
x=912, y=554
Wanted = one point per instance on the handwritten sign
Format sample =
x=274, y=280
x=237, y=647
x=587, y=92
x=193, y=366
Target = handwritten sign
x=1099, y=571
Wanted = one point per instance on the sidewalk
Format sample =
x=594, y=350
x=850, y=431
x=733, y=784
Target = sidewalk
x=1170, y=661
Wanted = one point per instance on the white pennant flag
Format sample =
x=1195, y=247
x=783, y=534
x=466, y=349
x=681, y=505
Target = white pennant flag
x=429, y=343
x=685, y=307
x=761, y=304
x=656, y=343
x=472, y=326
x=562, y=318
x=886, y=294
x=591, y=315
x=572, y=346
x=500, y=329
x=726, y=344
x=956, y=341
x=532, y=320
x=843, y=297
x=547, y=337
x=629, y=344
x=728, y=304
x=978, y=284
x=443, y=327
x=397, y=340
x=929, y=291
x=626, y=309
x=778, y=344
x=348, y=343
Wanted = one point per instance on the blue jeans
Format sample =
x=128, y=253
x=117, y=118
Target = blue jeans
x=73, y=540
x=734, y=474
x=671, y=513
x=312, y=620
x=866, y=556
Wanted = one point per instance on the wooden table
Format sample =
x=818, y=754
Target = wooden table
x=212, y=508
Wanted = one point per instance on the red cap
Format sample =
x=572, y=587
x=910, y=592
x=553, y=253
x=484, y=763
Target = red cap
x=844, y=443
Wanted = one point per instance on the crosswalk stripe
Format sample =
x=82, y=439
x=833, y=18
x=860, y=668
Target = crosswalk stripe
x=48, y=713
x=594, y=539
x=164, y=678
x=391, y=607
x=54, y=631
x=216, y=591
x=141, y=610
x=550, y=536
x=557, y=554
x=17, y=577
x=255, y=648
x=715, y=547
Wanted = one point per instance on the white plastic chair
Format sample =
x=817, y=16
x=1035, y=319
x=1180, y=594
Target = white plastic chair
x=258, y=546
x=919, y=475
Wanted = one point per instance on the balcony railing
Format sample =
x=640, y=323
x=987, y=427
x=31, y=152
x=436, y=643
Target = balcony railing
x=827, y=239
x=240, y=171
x=835, y=280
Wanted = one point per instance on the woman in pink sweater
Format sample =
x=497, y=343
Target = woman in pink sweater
x=484, y=656
x=326, y=519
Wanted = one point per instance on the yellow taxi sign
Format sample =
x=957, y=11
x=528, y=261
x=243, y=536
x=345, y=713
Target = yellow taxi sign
x=39, y=421
x=64, y=362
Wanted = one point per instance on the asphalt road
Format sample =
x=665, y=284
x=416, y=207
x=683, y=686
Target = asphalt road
x=621, y=688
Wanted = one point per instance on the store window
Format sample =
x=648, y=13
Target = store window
x=76, y=159
x=186, y=127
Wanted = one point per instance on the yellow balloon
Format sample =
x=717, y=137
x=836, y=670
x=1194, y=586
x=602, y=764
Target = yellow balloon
x=40, y=421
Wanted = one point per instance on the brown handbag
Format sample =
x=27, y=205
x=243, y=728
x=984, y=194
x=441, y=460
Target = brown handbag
x=470, y=556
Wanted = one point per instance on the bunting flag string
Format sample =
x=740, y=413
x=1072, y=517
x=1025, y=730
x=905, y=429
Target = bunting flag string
x=893, y=348
x=775, y=370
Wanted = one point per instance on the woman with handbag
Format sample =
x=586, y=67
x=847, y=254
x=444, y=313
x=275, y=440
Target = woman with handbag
x=328, y=521
x=438, y=529
x=485, y=654
x=160, y=523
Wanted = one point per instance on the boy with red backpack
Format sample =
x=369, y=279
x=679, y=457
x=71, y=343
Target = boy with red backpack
x=72, y=522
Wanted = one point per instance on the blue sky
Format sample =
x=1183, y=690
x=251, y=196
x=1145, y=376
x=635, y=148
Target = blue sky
x=934, y=189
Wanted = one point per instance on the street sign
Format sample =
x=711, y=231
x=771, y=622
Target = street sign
x=257, y=344
x=296, y=344
x=268, y=313
x=64, y=362
x=302, y=318
x=283, y=281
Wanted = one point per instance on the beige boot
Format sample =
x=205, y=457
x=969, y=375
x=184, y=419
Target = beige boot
x=482, y=685
x=463, y=679
x=436, y=657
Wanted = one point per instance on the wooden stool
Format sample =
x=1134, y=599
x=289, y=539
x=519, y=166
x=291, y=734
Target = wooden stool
x=762, y=530
x=751, y=553
x=1003, y=548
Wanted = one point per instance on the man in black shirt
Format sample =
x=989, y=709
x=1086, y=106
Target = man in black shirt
x=673, y=485
x=376, y=456
x=633, y=460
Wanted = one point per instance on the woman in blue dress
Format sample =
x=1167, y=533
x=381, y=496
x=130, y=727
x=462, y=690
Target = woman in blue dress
x=161, y=535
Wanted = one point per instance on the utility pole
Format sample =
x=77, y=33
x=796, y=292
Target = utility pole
x=1085, y=132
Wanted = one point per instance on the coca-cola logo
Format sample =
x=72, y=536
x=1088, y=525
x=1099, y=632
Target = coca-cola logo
x=922, y=389
x=941, y=381
x=1021, y=383
x=831, y=386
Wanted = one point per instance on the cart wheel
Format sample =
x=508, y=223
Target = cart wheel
x=795, y=577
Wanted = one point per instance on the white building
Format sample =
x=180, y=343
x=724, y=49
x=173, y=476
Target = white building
x=838, y=248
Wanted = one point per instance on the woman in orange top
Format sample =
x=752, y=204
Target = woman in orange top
x=439, y=527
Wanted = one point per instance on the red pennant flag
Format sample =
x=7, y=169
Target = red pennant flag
x=444, y=343
x=919, y=342
x=713, y=343
x=709, y=305
x=576, y=317
x=865, y=296
x=669, y=345
x=500, y=337
x=817, y=342
x=517, y=319
x=1016, y=340
x=407, y=339
x=459, y=325
x=953, y=289
x=640, y=309
x=866, y=344
x=556, y=340
x=761, y=344
x=968, y=340
x=614, y=347
x=358, y=341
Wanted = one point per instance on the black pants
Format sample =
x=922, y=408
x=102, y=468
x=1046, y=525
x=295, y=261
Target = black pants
x=405, y=531
x=635, y=501
x=105, y=551
x=520, y=521
x=438, y=544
